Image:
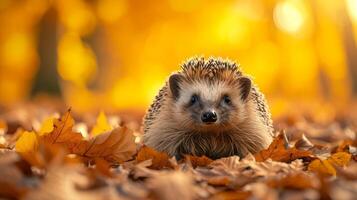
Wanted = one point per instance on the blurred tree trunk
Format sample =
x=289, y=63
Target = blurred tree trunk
x=350, y=48
x=47, y=80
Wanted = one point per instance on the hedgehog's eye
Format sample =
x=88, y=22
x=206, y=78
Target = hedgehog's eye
x=227, y=99
x=194, y=99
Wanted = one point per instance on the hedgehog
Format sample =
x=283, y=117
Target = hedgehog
x=208, y=108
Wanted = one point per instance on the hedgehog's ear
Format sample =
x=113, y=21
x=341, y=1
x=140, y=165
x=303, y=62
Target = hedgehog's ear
x=245, y=85
x=174, y=82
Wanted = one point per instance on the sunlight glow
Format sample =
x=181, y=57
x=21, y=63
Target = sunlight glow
x=288, y=17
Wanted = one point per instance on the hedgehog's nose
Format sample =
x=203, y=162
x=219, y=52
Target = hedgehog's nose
x=209, y=117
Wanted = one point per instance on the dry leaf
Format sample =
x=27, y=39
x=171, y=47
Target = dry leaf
x=11, y=181
x=198, y=161
x=46, y=126
x=232, y=195
x=3, y=126
x=115, y=146
x=298, y=180
x=279, y=151
x=27, y=143
x=340, y=159
x=322, y=166
x=173, y=185
x=303, y=143
x=62, y=132
x=326, y=166
x=159, y=159
x=219, y=180
x=102, y=125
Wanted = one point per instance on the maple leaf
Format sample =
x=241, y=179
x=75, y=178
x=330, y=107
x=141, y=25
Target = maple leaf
x=102, y=125
x=46, y=126
x=27, y=142
x=27, y=146
x=159, y=159
x=279, y=150
x=117, y=145
x=326, y=166
x=62, y=132
x=198, y=161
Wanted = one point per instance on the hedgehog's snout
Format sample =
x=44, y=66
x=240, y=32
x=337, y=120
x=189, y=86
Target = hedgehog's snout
x=209, y=117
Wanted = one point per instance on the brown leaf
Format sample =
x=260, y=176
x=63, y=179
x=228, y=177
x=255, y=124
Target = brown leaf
x=115, y=146
x=159, y=159
x=232, y=195
x=12, y=180
x=279, y=151
x=219, y=180
x=173, y=185
x=298, y=181
x=196, y=161
x=303, y=143
x=344, y=146
x=62, y=132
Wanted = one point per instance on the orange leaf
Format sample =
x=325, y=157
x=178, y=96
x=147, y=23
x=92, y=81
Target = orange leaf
x=294, y=181
x=198, y=161
x=340, y=159
x=326, y=167
x=279, y=151
x=62, y=132
x=219, y=181
x=322, y=166
x=115, y=146
x=159, y=159
x=232, y=195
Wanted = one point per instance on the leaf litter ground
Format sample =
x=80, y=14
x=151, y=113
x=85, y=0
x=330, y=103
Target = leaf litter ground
x=59, y=158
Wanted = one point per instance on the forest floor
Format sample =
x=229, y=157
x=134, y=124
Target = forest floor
x=55, y=156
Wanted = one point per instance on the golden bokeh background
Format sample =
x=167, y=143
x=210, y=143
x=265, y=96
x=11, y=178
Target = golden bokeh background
x=116, y=54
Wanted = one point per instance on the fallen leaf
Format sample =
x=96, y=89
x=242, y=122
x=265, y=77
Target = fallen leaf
x=3, y=126
x=279, y=150
x=12, y=180
x=159, y=159
x=117, y=145
x=340, y=159
x=27, y=143
x=298, y=181
x=326, y=166
x=102, y=125
x=62, y=132
x=46, y=126
x=173, y=185
x=232, y=195
x=198, y=161
x=219, y=180
x=322, y=167
x=303, y=143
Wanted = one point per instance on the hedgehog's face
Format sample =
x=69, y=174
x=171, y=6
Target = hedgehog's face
x=209, y=105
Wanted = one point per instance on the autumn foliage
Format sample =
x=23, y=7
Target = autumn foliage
x=59, y=161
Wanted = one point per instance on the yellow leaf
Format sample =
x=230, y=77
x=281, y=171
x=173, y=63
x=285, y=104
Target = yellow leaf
x=322, y=166
x=102, y=125
x=46, y=126
x=327, y=166
x=340, y=159
x=27, y=142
